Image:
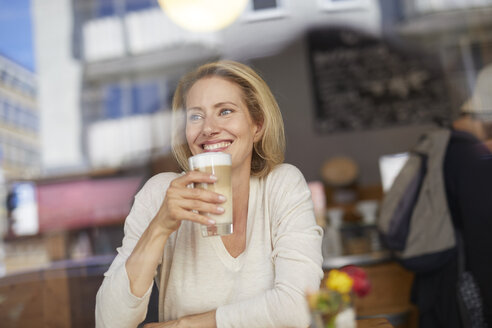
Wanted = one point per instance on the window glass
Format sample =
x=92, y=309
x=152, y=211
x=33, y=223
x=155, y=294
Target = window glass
x=6, y=109
x=27, y=120
x=20, y=117
x=16, y=116
x=113, y=104
x=35, y=122
x=135, y=5
x=264, y=4
x=2, y=111
x=105, y=8
x=145, y=98
x=3, y=76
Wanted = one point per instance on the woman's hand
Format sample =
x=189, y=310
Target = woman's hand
x=167, y=324
x=203, y=320
x=182, y=202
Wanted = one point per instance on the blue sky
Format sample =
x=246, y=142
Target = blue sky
x=16, y=35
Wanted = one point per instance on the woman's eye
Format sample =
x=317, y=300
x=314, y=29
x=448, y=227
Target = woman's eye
x=194, y=117
x=225, y=112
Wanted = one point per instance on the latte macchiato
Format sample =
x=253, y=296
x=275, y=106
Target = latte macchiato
x=218, y=164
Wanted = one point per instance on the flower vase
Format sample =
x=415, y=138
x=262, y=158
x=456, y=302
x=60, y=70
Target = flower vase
x=333, y=310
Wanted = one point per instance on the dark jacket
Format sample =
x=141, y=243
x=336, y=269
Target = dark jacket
x=467, y=173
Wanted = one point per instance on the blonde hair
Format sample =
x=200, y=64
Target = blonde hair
x=263, y=108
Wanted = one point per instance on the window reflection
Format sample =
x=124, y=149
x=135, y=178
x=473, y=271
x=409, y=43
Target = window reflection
x=95, y=114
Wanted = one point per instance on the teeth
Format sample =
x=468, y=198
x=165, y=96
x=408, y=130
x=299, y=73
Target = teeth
x=216, y=145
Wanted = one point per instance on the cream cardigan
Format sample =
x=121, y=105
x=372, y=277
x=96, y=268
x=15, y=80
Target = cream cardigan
x=263, y=287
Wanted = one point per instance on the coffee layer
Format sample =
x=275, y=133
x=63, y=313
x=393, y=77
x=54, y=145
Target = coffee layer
x=223, y=187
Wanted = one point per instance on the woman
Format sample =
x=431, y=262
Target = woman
x=255, y=277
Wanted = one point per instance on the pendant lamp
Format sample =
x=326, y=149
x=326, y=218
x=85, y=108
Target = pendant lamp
x=203, y=15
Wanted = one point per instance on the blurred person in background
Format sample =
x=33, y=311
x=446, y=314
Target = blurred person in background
x=256, y=277
x=467, y=173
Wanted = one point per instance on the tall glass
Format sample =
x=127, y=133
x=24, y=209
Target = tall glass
x=218, y=164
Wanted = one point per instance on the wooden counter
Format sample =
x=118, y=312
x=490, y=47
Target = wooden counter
x=374, y=323
x=61, y=295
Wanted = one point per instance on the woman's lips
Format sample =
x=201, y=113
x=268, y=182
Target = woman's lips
x=216, y=146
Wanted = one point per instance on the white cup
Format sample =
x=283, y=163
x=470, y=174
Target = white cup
x=335, y=215
x=368, y=209
x=218, y=164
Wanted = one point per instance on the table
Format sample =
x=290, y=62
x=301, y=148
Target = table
x=374, y=323
x=371, y=258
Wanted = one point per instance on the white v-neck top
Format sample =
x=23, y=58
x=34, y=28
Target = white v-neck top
x=263, y=287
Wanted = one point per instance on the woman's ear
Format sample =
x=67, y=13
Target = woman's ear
x=259, y=132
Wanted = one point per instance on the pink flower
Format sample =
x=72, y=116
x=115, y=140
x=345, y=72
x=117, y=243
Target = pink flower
x=361, y=285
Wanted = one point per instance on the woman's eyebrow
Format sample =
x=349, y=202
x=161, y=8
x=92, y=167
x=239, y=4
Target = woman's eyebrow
x=222, y=103
x=219, y=104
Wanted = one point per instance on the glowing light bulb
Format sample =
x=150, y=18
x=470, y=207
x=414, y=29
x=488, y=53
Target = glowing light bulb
x=203, y=15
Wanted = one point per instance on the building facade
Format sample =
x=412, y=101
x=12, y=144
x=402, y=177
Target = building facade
x=19, y=121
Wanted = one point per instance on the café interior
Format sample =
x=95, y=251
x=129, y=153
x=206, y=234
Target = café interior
x=357, y=81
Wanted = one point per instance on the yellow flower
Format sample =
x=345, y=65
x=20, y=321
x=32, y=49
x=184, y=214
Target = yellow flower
x=339, y=281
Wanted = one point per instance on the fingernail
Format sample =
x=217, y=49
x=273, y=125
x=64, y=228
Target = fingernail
x=210, y=221
x=222, y=198
x=213, y=177
x=220, y=209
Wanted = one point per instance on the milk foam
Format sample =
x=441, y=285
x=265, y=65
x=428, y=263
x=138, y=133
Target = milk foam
x=209, y=159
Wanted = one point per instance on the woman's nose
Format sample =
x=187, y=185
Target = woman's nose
x=210, y=126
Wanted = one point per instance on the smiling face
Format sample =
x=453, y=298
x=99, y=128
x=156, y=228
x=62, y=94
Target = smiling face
x=217, y=119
